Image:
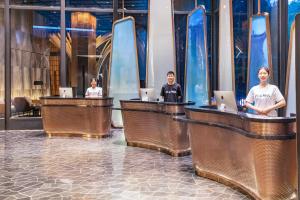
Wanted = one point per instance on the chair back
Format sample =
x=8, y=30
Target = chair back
x=21, y=104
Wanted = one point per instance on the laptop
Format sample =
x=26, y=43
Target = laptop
x=227, y=98
x=65, y=92
x=147, y=94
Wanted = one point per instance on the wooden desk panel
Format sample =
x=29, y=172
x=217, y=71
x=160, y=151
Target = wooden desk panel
x=90, y=117
x=254, y=155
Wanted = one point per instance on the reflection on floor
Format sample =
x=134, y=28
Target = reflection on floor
x=33, y=166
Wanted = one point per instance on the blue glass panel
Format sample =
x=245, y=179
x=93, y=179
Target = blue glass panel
x=240, y=35
x=124, y=81
x=259, y=48
x=293, y=10
x=272, y=7
x=196, y=87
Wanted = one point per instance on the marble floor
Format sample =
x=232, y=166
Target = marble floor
x=33, y=166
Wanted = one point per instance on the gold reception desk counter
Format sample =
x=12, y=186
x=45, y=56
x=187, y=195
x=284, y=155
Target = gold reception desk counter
x=254, y=154
x=151, y=125
x=89, y=117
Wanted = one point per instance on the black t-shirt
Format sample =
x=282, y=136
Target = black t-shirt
x=171, y=93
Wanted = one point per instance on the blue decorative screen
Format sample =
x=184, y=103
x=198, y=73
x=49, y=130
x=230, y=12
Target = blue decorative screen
x=124, y=81
x=197, y=83
x=258, y=48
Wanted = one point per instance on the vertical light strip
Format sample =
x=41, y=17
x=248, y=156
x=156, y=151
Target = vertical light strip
x=161, y=48
x=226, y=49
x=196, y=68
x=259, y=49
x=124, y=82
x=290, y=86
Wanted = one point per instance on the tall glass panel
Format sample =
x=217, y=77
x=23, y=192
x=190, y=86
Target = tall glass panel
x=2, y=64
x=90, y=3
x=197, y=79
x=293, y=10
x=36, y=3
x=33, y=50
x=124, y=80
x=272, y=7
x=133, y=4
x=259, y=49
x=89, y=36
x=240, y=36
x=180, y=21
x=290, y=94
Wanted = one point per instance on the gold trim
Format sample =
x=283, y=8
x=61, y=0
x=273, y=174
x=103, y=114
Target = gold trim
x=161, y=149
x=201, y=7
x=73, y=134
x=225, y=181
x=266, y=15
x=258, y=7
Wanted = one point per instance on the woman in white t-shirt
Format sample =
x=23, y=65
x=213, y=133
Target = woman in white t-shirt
x=266, y=97
x=93, y=91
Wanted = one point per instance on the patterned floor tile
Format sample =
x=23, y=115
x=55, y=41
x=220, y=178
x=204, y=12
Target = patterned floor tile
x=33, y=166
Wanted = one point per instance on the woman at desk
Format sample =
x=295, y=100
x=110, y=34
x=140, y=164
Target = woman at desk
x=266, y=97
x=93, y=91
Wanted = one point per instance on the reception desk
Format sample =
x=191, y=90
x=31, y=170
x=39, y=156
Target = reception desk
x=90, y=117
x=151, y=125
x=254, y=154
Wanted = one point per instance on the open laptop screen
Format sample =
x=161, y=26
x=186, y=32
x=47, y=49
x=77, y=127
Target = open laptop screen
x=227, y=98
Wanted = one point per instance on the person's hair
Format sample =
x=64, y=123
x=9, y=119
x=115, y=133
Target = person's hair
x=265, y=68
x=170, y=72
x=93, y=79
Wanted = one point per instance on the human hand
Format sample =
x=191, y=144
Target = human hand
x=261, y=111
x=267, y=110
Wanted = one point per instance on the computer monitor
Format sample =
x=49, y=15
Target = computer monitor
x=227, y=98
x=147, y=94
x=65, y=92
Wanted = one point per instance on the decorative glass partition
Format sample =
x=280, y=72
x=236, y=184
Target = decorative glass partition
x=161, y=50
x=290, y=89
x=259, y=47
x=197, y=79
x=123, y=73
x=226, y=61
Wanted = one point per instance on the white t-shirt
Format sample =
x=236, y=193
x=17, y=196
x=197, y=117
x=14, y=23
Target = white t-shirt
x=94, y=92
x=264, y=97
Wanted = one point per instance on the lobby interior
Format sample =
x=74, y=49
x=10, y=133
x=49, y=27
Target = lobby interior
x=48, y=45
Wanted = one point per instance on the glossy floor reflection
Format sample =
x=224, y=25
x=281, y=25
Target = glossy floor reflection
x=33, y=166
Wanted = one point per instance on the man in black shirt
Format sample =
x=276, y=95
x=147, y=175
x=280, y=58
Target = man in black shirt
x=171, y=91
